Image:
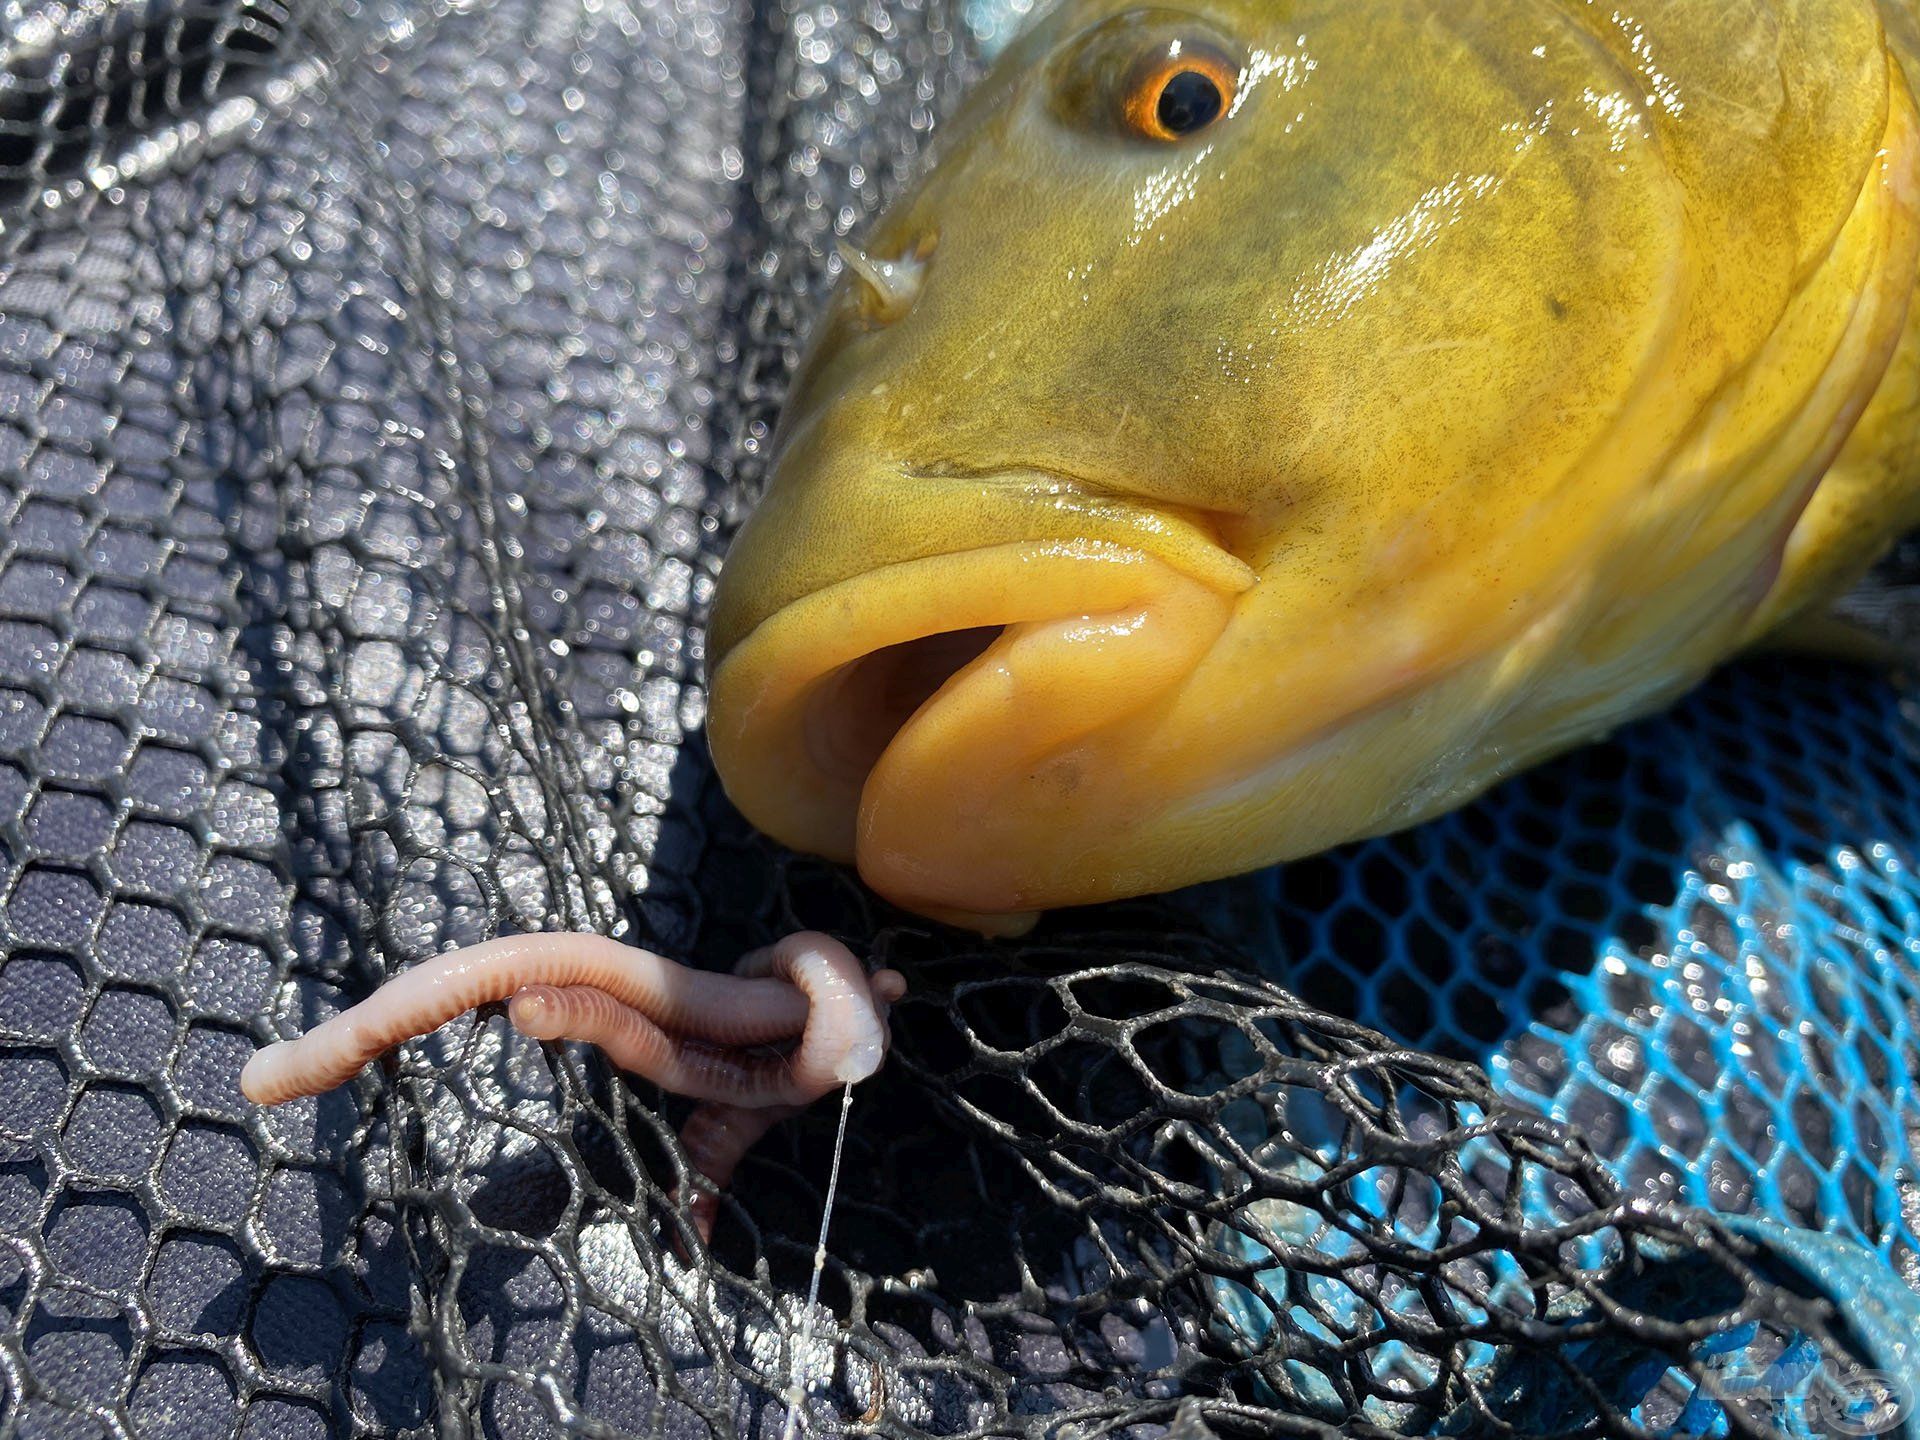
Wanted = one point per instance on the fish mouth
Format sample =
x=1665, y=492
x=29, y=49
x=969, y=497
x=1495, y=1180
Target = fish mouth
x=949, y=723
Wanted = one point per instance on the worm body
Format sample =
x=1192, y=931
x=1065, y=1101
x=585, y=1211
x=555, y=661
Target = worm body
x=697, y=1033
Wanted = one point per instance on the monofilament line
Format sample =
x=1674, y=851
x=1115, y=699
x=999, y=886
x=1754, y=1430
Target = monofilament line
x=797, y=1386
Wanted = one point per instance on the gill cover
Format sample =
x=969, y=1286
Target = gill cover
x=1242, y=478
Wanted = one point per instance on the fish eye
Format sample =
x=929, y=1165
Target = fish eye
x=1150, y=74
x=1180, y=92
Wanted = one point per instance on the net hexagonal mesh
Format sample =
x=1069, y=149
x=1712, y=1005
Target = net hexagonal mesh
x=379, y=384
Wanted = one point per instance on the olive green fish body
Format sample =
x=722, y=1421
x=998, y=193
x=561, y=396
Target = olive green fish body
x=1871, y=493
x=1276, y=422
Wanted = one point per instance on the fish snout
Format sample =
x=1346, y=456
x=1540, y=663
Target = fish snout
x=957, y=724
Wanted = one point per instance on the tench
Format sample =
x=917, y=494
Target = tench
x=1272, y=422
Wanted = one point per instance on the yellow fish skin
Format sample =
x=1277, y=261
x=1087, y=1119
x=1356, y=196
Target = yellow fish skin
x=1272, y=422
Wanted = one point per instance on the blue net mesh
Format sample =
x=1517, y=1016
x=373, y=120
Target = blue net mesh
x=1696, y=946
x=1699, y=944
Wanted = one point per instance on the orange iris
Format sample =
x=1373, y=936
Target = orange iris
x=1180, y=92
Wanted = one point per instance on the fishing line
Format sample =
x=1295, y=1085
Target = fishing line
x=798, y=1386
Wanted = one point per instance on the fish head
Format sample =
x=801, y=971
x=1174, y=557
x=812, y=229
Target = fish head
x=1229, y=446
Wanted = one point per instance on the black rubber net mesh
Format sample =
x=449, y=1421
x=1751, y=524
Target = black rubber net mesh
x=379, y=385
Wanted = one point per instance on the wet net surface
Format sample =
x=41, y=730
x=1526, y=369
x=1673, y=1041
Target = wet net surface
x=379, y=385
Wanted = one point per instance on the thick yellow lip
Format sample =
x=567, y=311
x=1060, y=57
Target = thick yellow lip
x=940, y=721
x=825, y=520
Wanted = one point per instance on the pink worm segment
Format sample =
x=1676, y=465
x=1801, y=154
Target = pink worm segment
x=718, y=1135
x=690, y=1031
x=844, y=1039
x=722, y=1010
x=716, y=1139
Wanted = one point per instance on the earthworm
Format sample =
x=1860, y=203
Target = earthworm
x=716, y=1139
x=844, y=1038
x=693, y=1032
x=718, y=1135
x=689, y=1030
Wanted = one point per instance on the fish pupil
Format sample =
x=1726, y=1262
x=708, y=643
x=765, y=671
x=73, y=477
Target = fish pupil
x=1190, y=101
